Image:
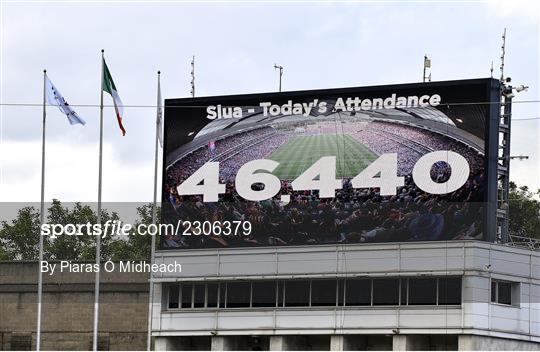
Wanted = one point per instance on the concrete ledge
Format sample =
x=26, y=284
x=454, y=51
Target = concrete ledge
x=103, y=287
x=487, y=343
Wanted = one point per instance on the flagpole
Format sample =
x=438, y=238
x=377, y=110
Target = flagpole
x=42, y=217
x=154, y=217
x=98, y=238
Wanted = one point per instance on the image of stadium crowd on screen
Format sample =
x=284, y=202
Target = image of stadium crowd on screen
x=354, y=215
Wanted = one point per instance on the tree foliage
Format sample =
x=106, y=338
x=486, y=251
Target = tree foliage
x=524, y=211
x=19, y=239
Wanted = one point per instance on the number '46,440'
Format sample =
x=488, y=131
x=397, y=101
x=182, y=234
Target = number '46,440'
x=321, y=176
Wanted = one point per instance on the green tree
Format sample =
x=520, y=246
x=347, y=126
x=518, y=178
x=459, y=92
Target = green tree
x=64, y=247
x=524, y=212
x=79, y=247
x=4, y=255
x=18, y=239
x=138, y=245
x=141, y=244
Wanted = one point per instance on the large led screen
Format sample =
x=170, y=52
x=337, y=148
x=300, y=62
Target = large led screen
x=344, y=166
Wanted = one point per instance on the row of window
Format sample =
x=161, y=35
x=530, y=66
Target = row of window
x=315, y=293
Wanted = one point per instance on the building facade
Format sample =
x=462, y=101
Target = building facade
x=458, y=295
x=68, y=309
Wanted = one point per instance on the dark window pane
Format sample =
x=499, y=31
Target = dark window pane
x=358, y=292
x=323, y=292
x=198, y=299
x=173, y=296
x=450, y=290
x=280, y=286
x=212, y=295
x=296, y=293
x=263, y=294
x=186, y=295
x=403, y=292
x=23, y=342
x=385, y=292
x=341, y=292
x=222, y=294
x=505, y=292
x=493, y=291
x=423, y=291
x=238, y=294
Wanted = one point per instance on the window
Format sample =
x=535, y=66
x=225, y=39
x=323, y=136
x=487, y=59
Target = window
x=187, y=290
x=385, y=292
x=341, y=292
x=199, y=295
x=296, y=293
x=212, y=295
x=222, y=294
x=358, y=292
x=404, y=292
x=422, y=291
x=450, y=290
x=103, y=343
x=174, y=293
x=504, y=292
x=263, y=294
x=280, y=293
x=238, y=294
x=323, y=293
x=21, y=342
x=328, y=293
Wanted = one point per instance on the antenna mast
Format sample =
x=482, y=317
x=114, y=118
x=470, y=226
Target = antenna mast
x=503, y=167
x=427, y=64
x=193, y=76
x=503, y=52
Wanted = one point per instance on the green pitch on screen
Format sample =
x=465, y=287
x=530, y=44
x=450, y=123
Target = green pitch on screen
x=301, y=152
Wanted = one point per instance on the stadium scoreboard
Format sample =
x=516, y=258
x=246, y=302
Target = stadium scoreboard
x=410, y=162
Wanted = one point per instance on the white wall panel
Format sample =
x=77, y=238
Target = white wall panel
x=477, y=262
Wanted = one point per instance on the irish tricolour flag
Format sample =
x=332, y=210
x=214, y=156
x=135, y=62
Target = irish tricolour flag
x=109, y=87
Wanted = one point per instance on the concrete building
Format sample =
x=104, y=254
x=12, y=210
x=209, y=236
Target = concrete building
x=68, y=304
x=458, y=295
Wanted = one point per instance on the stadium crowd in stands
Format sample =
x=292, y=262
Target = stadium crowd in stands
x=353, y=216
x=261, y=148
x=411, y=143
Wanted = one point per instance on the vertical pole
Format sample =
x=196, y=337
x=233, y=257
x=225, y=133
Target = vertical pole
x=192, y=77
x=503, y=52
x=280, y=68
x=154, y=216
x=280, y=74
x=424, y=75
x=42, y=217
x=98, y=238
x=503, y=169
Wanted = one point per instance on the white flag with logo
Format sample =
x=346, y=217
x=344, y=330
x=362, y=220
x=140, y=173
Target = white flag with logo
x=55, y=98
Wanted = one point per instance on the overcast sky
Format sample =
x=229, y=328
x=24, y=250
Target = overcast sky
x=321, y=45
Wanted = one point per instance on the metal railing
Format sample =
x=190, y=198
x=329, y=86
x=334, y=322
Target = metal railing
x=524, y=242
